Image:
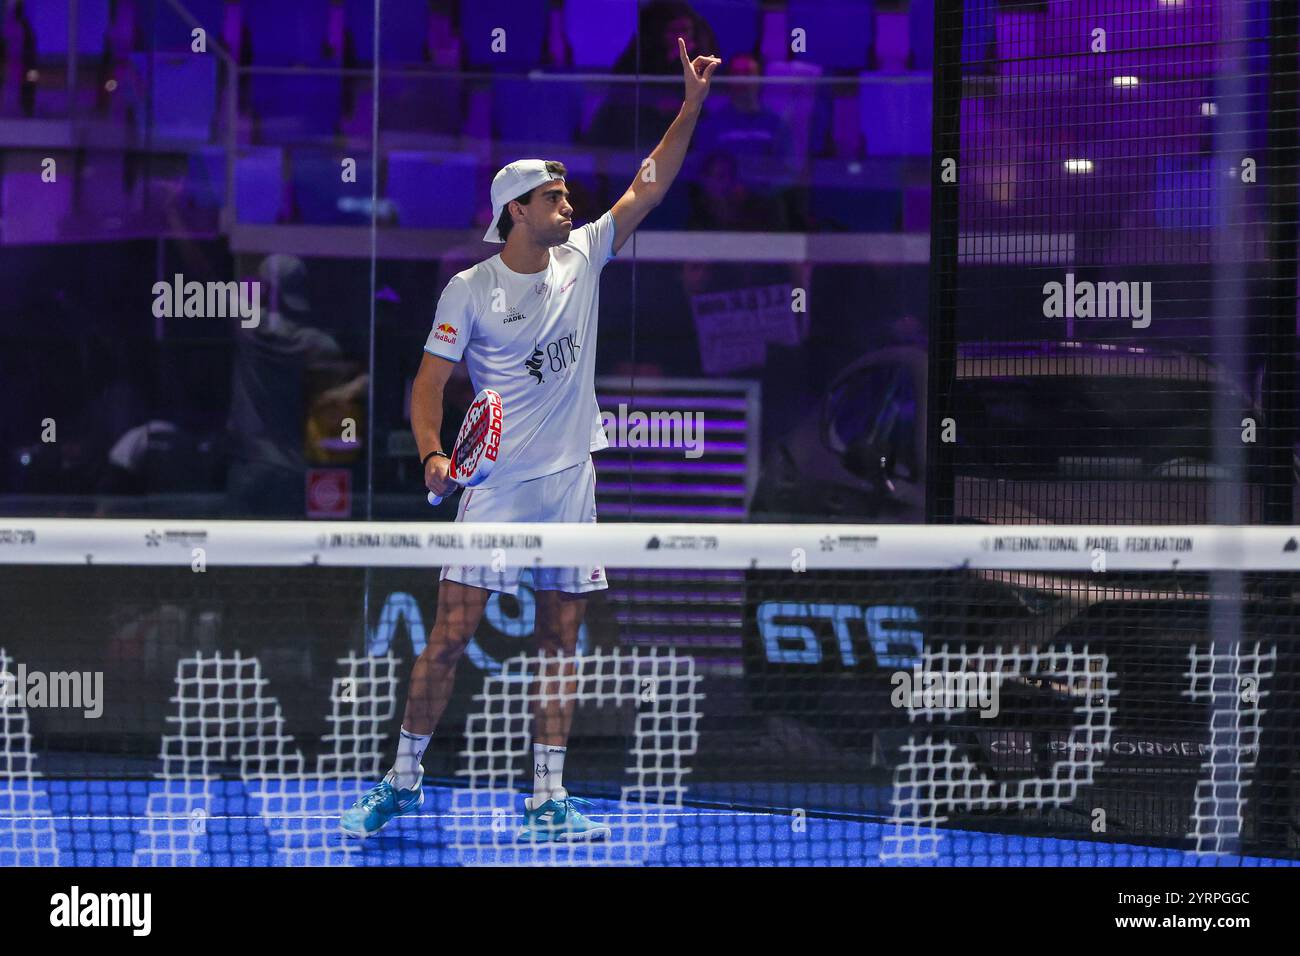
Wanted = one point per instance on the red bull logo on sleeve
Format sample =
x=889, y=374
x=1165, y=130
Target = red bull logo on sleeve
x=445, y=333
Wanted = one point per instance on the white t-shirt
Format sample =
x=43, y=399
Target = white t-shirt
x=532, y=339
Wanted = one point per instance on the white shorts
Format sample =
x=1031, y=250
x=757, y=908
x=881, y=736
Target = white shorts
x=568, y=496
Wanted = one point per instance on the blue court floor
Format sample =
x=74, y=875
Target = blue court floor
x=287, y=823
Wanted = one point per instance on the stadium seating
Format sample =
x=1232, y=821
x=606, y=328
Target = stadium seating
x=101, y=196
x=182, y=95
x=288, y=33
x=403, y=35
x=259, y=185
x=528, y=111
x=734, y=22
x=598, y=30
x=320, y=197
x=892, y=42
x=293, y=108
x=205, y=179
x=524, y=26
x=165, y=31
x=840, y=33
x=433, y=190
x=49, y=20
x=920, y=23
x=34, y=211
x=174, y=98
x=896, y=115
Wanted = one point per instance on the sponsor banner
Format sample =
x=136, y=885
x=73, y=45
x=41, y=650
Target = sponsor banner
x=1008, y=749
x=734, y=327
x=825, y=652
x=176, y=538
x=793, y=548
x=682, y=542
x=1093, y=544
x=823, y=648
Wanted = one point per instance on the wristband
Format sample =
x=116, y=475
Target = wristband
x=424, y=462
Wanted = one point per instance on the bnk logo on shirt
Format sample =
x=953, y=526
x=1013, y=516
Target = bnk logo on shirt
x=445, y=333
x=559, y=355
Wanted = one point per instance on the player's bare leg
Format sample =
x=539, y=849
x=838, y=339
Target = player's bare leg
x=559, y=616
x=550, y=814
x=460, y=608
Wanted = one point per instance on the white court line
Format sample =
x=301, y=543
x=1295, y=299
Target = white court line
x=413, y=816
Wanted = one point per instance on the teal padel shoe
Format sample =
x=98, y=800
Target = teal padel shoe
x=558, y=820
x=380, y=805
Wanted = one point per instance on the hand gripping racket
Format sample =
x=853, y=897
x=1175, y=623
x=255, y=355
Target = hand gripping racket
x=475, y=452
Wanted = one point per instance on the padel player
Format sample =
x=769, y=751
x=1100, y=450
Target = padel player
x=525, y=323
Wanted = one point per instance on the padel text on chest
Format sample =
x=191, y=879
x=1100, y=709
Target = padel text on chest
x=78, y=909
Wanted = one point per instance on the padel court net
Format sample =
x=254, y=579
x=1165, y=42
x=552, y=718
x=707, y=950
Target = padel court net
x=209, y=694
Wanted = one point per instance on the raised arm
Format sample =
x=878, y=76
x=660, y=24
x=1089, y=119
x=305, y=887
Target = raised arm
x=657, y=174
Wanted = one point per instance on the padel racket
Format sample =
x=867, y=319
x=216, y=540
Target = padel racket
x=478, y=444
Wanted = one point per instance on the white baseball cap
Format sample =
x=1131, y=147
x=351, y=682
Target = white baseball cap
x=511, y=182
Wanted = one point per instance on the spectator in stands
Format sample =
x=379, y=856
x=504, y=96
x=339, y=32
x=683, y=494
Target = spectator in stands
x=557, y=53
x=121, y=90
x=740, y=126
x=721, y=201
x=17, y=63
x=652, y=51
x=446, y=46
x=269, y=404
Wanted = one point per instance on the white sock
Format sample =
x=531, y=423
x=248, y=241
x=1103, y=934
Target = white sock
x=548, y=771
x=410, y=750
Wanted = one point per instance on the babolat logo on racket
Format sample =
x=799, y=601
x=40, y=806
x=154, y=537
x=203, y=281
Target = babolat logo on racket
x=481, y=438
x=477, y=444
x=492, y=442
